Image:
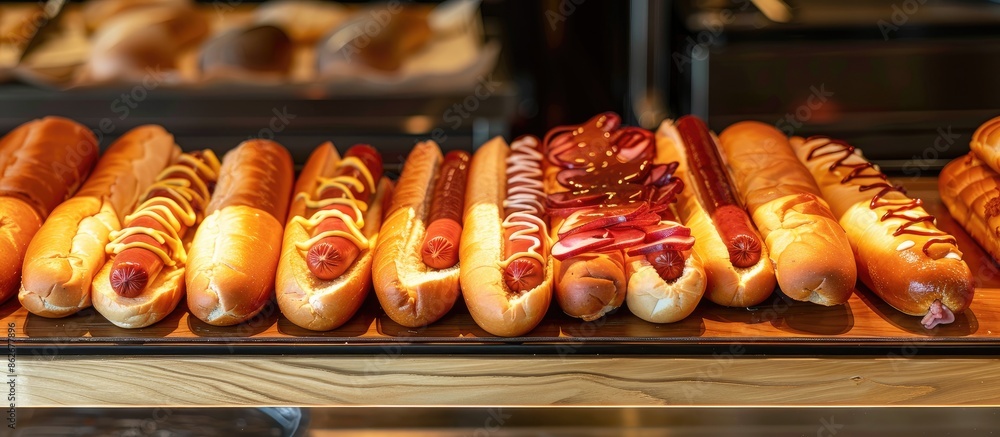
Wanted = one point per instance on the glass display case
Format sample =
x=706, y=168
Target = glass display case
x=906, y=81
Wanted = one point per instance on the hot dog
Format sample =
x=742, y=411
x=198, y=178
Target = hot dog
x=901, y=255
x=143, y=280
x=412, y=291
x=69, y=249
x=617, y=237
x=337, y=203
x=666, y=284
x=812, y=256
x=153, y=233
x=502, y=201
x=231, y=265
x=723, y=242
x=336, y=247
x=525, y=251
x=717, y=194
x=42, y=163
x=440, y=248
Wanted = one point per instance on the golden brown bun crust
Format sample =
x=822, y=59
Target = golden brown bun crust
x=411, y=293
x=18, y=223
x=258, y=174
x=130, y=165
x=231, y=267
x=986, y=143
x=492, y=305
x=234, y=256
x=727, y=285
x=69, y=248
x=812, y=256
x=590, y=285
x=305, y=300
x=894, y=267
x=971, y=191
x=44, y=161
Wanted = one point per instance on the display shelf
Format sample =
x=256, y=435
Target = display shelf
x=781, y=353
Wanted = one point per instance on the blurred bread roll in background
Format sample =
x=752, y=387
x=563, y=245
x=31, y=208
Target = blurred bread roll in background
x=248, y=53
x=139, y=39
x=305, y=21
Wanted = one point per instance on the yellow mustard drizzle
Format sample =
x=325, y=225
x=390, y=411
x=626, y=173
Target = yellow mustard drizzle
x=173, y=214
x=173, y=244
x=353, y=224
x=184, y=190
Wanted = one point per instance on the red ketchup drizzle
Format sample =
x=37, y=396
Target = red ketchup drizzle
x=884, y=187
x=606, y=165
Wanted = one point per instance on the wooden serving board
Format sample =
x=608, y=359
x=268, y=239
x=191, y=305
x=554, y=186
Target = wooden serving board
x=864, y=321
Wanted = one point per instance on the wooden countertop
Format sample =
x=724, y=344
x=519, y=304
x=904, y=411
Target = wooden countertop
x=506, y=381
x=820, y=360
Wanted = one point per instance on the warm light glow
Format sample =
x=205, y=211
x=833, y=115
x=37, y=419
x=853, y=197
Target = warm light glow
x=418, y=124
x=774, y=10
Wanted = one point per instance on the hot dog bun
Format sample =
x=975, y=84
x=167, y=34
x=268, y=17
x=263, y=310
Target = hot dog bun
x=726, y=284
x=43, y=163
x=971, y=192
x=69, y=248
x=590, y=286
x=158, y=231
x=233, y=258
x=492, y=305
x=908, y=270
x=306, y=300
x=412, y=293
x=812, y=257
x=652, y=299
x=158, y=300
x=18, y=224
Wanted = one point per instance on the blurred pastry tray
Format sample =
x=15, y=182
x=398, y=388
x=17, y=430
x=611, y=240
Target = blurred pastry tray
x=454, y=55
x=780, y=326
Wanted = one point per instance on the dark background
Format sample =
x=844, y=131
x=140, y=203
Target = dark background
x=909, y=80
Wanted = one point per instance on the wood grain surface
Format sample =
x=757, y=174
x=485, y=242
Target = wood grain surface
x=724, y=380
x=864, y=317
